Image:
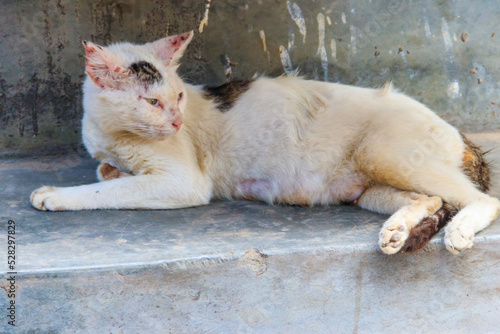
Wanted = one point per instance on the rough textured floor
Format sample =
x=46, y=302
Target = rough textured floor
x=185, y=270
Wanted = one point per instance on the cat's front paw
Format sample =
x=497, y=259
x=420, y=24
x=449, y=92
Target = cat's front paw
x=45, y=199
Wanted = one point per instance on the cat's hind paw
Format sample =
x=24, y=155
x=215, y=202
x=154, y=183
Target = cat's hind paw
x=107, y=172
x=393, y=236
x=458, y=238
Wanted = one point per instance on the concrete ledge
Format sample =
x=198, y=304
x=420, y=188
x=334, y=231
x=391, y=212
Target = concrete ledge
x=319, y=292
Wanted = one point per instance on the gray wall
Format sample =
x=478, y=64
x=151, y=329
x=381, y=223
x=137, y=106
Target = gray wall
x=417, y=44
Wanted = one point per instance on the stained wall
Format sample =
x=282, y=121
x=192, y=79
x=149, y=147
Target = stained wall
x=443, y=53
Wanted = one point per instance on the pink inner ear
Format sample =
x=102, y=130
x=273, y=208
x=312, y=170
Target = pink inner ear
x=169, y=49
x=101, y=66
x=165, y=50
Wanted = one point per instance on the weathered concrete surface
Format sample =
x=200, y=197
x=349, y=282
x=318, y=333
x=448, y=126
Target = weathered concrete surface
x=417, y=44
x=325, y=292
x=195, y=270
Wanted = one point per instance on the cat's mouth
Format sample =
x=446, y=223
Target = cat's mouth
x=158, y=131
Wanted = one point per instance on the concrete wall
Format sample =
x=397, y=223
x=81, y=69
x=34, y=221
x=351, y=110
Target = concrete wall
x=417, y=44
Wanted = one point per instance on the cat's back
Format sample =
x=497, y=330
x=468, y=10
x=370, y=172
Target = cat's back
x=282, y=115
x=272, y=129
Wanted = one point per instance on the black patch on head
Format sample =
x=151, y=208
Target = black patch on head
x=226, y=95
x=146, y=72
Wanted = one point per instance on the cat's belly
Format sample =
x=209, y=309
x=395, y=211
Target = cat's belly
x=347, y=189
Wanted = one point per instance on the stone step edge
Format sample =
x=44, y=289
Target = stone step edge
x=173, y=265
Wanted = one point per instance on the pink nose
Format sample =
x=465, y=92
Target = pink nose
x=177, y=123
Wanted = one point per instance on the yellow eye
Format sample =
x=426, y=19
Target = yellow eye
x=153, y=102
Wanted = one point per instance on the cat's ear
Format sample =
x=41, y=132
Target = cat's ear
x=102, y=66
x=171, y=48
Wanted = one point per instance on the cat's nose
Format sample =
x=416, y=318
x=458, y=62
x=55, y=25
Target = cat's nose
x=177, y=123
x=177, y=118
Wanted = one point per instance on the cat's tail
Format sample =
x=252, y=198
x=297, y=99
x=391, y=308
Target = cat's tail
x=479, y=172
x=475, y=166
x=421, y=234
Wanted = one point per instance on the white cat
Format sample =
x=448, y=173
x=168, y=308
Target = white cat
x=165, y=144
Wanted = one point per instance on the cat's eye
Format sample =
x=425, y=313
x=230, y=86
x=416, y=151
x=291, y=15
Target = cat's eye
x=179, y=97
x=153, y=102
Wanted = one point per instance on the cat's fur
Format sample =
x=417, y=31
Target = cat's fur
x=283, y=140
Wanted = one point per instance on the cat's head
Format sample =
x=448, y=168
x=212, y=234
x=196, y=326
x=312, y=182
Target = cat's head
x=135, y=88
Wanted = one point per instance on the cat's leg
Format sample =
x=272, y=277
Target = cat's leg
x=407, y=210
x=134, y=192
x=474, y=217
x=478, y=210
x=107, y=172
